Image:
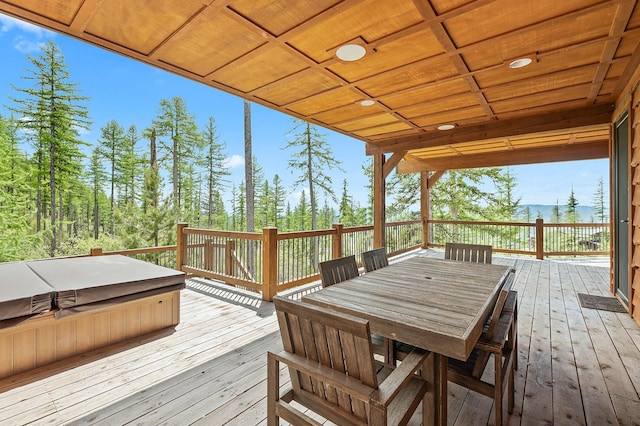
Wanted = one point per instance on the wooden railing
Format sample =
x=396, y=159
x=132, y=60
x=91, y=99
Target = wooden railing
x=270, y=262
x=538, y=239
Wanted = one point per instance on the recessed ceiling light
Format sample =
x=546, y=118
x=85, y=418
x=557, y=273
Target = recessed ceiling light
x=351, y=52
x=367, y=102
x=519, y=63
x=446, y=126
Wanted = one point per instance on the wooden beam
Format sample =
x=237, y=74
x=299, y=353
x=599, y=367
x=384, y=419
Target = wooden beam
x=540, y=124
x=435, y=177
x=583, y=151
x=391, y=162
x=84, y=15
x=379, y=201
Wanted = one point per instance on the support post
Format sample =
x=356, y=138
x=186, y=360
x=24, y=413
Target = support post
x=229, y=250
x=181, y=246
x=425, y=207
x=539, y=239
x=336, y=241
x=379, y=202
x=269, y=263
x=95, y=251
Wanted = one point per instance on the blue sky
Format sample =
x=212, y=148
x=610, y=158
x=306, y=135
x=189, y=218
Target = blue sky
x=129, y=92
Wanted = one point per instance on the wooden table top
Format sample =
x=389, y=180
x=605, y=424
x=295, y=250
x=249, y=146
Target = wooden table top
x=439, y=305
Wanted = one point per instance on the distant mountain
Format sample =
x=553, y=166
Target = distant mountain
x=586, y=213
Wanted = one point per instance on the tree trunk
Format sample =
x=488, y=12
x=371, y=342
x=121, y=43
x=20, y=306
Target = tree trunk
x=248, y=168
x=52, y=184
x=314, y=220
x=249, y=187
x=96, y=214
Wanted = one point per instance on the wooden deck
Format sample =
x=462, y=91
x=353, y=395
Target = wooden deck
x=574, y=363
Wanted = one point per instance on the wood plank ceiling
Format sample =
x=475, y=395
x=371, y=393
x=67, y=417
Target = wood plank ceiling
x=427, y=63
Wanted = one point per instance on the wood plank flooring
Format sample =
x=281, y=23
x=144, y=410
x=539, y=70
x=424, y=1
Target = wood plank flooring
x=576, y=365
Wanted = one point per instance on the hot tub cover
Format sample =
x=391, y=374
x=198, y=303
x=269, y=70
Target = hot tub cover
x=22, y=292
x=86, y=280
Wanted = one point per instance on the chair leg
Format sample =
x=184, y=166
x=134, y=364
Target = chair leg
x=515, y=336
x=497, y=388
x=511, y=385
x=273, y=389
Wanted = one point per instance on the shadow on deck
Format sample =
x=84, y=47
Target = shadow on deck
x=577, y=365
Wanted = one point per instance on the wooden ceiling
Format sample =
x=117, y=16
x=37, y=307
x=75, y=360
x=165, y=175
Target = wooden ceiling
x=427, y=63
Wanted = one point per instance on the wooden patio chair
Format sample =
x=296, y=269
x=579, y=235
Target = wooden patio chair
x=468, y=252
x=498, y=339
x=375, y=259
x=333, y=372
x=337, y=270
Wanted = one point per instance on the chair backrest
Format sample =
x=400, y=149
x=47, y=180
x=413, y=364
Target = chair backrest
x=338, y=341
x=468, y=252
x=338, y=270
x=500, y=303
x=375, y=259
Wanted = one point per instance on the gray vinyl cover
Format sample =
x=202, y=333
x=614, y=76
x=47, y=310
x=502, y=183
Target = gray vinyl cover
x=84, y=280
x=22, y=292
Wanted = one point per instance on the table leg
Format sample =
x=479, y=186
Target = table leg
x=434, y=403
x=441, y=391
x=429, y=401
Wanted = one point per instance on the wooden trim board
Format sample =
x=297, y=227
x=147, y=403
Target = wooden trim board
x=43, y=339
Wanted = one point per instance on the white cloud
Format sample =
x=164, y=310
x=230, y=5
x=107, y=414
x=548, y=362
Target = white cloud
x=24, y=42
x=8, y=23
x=234, y=161
x=27, y=46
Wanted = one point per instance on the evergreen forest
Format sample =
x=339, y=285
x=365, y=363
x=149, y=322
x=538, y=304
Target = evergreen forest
x=59, y=195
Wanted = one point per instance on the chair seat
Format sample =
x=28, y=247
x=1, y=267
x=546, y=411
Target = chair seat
x=498, y=338
x=333, y=372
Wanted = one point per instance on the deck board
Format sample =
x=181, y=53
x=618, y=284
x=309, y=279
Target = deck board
x=575, y=364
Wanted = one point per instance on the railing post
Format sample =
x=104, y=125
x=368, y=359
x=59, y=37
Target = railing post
x=181, y=246
x=540, y=239
x=336, y=241
x=95, y=251
x=208, y=254
x=269, y=263
x=229, y=249
x=425, y=208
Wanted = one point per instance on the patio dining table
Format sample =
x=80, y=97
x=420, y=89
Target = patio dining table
x=435, y=304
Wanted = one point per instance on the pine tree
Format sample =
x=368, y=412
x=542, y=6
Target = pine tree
x=53, y=113
x=263, y=210
x=600, y=202
x=17, y=236
x=503, y=205
x=463, y=194
x=278, y=200
x=346, y=206
x=404, y=190
x=315, y=161
x=111, y=147
x=216, y=171
x=131, y=167
x=182, y=146
x=572, y=215
x=97, y=175
x=555, y=213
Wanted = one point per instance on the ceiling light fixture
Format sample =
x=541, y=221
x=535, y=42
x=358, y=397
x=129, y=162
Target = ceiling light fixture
x=446, y=126
x=367, y=102
x=520, y=63
x=350, y=52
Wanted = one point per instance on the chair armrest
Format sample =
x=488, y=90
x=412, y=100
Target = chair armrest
x=399, y=377
x=324, y=374
x=500, y=335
